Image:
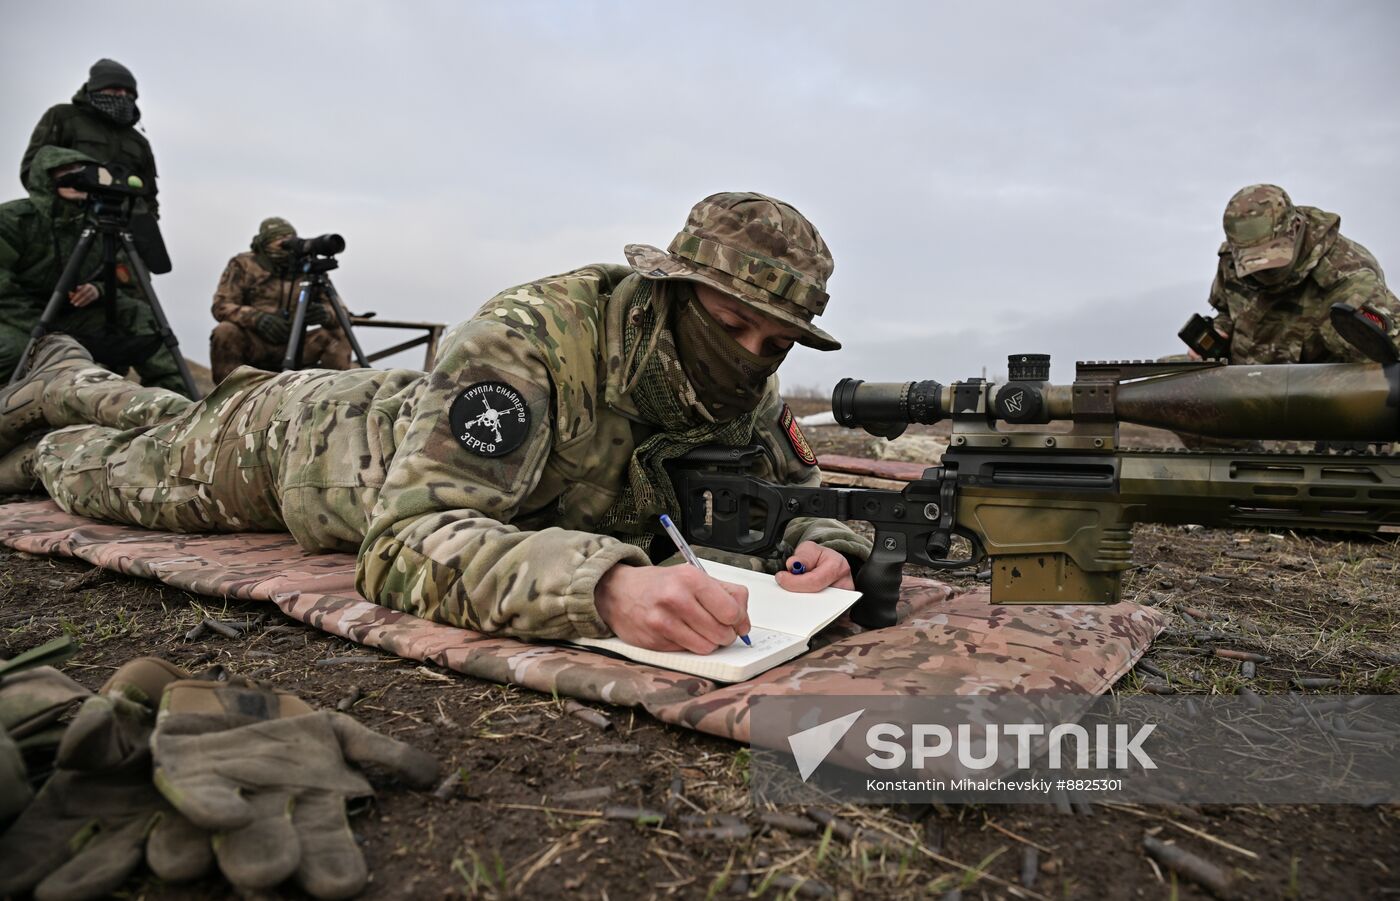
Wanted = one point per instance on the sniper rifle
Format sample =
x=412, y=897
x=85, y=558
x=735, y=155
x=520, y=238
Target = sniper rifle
x=1035, y=479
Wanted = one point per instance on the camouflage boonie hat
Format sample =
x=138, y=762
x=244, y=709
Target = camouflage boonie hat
x=1261, y=228
x=755, y=249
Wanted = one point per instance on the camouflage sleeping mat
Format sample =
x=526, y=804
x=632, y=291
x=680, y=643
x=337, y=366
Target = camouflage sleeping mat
x=945, y=643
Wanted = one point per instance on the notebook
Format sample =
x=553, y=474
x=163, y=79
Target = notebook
x=783, y=623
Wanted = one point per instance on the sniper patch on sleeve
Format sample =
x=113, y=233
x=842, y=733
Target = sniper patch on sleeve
x=490, y=419
x=788, y=423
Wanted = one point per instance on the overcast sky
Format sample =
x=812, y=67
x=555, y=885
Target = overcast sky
x=991, y=177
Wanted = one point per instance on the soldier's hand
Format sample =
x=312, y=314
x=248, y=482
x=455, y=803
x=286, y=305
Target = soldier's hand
x=672, y=608
x=83, y=295
x=822, y=567
x=273, y=328
x=318, y=314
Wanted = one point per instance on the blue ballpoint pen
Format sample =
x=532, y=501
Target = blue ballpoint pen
x=684, y=547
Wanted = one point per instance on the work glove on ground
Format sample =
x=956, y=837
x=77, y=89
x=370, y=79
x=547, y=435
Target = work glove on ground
x=15, y=793
x=270, y=777
x=273, y=328
x=33, y=697
x=90, y=825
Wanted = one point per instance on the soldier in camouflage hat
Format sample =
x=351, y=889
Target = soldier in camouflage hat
x=1282, y=267
x=253, y=306
x=515, y=488
x=753, y=248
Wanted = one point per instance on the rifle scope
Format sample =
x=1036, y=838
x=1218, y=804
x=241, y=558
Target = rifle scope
x=858, y=404
x=1319, y=401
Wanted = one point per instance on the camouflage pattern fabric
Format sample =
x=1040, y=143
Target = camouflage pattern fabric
x=669, y=403
x=370, y=460
x=248, y=289
x=1288, y=323
x=79, y=396
x=269, y=230
x=755, y=248
x=256, y=448
x=728, y=379
x=945, y=644
x=435, y=544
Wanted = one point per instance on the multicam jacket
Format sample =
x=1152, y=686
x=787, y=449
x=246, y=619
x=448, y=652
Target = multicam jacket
x=1290, y=324
x=489, y=520
x=506, y=541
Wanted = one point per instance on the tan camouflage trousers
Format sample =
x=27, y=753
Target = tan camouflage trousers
x=289, y=451
x=231, y=346
x=146, y=456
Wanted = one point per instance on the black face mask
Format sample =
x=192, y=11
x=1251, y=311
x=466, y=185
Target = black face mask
x=728, y=380
x=120, y=108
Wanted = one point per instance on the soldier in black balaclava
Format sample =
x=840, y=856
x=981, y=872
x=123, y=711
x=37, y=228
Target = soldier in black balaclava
x=100, y=122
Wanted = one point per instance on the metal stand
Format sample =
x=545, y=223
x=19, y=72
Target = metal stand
x=315, y=287
x=114, y=231
x=429, y=340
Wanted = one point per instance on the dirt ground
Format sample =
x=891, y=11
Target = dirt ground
x=546, y=803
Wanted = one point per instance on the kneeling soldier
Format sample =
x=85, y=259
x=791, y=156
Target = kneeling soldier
x=253, y=304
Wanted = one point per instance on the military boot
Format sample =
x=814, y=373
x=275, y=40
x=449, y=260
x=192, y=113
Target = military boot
x=17, y=472
x=21, y=404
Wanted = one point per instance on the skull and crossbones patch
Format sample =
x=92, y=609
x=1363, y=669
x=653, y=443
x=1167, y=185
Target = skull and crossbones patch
x=490, y=419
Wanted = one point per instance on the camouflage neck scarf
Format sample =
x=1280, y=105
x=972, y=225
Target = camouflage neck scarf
x=665, y=398
x=120, y=108
x=1319, y=234
x=728, y=379
x=278, y=261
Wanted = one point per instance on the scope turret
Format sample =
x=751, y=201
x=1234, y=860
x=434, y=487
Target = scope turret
x=1028, y=367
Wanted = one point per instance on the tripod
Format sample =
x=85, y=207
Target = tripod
x=314, y=288
x=113, y=223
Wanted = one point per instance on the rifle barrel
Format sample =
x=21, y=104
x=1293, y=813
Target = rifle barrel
x=1323, y=401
